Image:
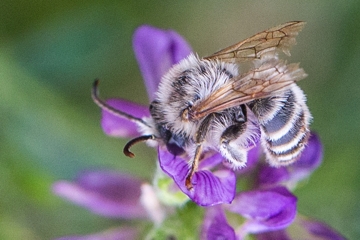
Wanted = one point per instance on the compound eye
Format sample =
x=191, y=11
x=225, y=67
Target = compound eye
x=174, y=143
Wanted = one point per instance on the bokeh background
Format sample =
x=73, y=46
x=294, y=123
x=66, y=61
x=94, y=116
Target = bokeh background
x=51, y=51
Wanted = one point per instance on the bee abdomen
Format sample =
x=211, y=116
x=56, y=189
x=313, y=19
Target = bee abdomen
x=284, y=122
x=288, y=147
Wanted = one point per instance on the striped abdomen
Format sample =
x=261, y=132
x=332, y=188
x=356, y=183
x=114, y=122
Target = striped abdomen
x=284, y=120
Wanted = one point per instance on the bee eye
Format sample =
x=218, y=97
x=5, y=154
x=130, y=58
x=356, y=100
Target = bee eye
x=174, y=143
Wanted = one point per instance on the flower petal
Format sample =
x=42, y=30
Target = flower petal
x=211, y=188
x=215, y=225
x=105, y=193
x=208, y=188
x=291, y=175
x=319, y=230
x=310, y=159
x=122, y=127
x=156, y=51
x=267, y=210
x=278, y=235
x=269, y=175
x=211, y=161
x=124, y=233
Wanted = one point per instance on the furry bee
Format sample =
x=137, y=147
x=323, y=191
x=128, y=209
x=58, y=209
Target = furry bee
x=205, y=104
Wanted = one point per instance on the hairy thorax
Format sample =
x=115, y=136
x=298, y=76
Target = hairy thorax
x=188, y=82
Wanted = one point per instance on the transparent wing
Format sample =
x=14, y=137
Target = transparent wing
x=266, y=42
x=272, y=76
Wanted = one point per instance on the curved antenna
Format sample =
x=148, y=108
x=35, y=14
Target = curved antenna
x=103, y=105
x=134, y=141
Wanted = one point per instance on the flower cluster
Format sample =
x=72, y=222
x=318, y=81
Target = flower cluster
x=264, y=206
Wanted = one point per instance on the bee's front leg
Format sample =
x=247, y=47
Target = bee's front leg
x=200, y=137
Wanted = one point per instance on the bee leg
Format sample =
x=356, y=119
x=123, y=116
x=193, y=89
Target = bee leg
x=230, y=146
x=194, y=167
x=200, y=137
x=230, y=140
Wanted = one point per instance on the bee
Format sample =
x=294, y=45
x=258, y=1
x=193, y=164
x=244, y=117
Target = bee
x=205, y=104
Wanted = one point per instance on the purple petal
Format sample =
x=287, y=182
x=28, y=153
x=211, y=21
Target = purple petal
x=278, y=235
x=308, y=162
x=122, y=127
x=124, y=233
x=156, y=51
x=208, y=188
x=320, y=230
x=215, y=225
x=106, y=193
x=211, y=188
x=267, y=210
x=312, y=154
x=269, y=175
x=211, y=161
x=310, y=159
x=253, y=155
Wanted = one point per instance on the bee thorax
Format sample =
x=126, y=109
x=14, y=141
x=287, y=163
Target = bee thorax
x=189, y=81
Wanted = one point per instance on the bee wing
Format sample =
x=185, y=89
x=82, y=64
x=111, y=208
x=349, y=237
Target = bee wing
x=272, y=76
x=266, y=42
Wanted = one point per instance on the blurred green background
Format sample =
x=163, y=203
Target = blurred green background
x=51, y=51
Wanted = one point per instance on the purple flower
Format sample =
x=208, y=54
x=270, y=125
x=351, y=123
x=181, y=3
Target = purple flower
x=121, y=127
x=105, y=193
x=264, y=210
x=306, y=228
x=278, y=235
x=157, y=51
x=270, y=209
x=309, y=161
x=113, y=195
x=267, y=208
x=215, y=225
x=320, y=230
x=209, y=188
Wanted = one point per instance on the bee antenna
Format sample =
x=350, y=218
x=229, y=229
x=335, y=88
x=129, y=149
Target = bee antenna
x=103, y=105
x=134, y=141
